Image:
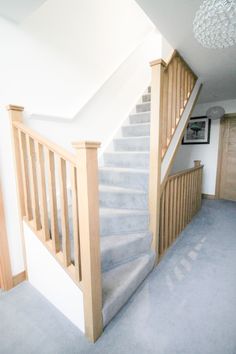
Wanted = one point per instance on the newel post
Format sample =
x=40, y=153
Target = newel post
x=197, y=163
x=16, y=115
x=157, y=68
x=88, y=202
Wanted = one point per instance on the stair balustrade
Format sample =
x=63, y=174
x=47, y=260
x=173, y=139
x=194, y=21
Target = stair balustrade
x=180, y=201
x=58, y=195
x=171, y=88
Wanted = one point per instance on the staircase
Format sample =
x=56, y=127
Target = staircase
x=126, y=252
x=103, y=225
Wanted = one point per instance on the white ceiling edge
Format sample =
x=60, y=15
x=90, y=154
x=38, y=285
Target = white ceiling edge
x=18, y=10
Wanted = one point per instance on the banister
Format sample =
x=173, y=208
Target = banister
x=45, y=171
x=183, y=172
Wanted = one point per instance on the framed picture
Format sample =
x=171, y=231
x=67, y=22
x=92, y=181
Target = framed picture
x=198, y=131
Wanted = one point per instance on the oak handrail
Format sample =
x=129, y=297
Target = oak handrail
x=49, y=177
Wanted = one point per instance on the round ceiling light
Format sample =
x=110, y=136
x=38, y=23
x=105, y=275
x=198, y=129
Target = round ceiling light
x=216, y=112
x=214, y=25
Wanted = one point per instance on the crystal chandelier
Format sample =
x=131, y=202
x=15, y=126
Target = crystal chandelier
x=214, y=25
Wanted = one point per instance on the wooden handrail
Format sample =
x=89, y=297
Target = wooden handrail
x=171, y=88
x=52, y=181
x=180, y=201
x=45, y=142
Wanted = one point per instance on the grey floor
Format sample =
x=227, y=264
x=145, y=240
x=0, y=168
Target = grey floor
x=186, y=306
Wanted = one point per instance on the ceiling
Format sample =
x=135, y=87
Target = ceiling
x=18, y=10
x=217, y=67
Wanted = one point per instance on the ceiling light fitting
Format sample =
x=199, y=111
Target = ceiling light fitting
x=214, y=25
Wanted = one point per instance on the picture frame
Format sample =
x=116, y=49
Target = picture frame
x=198, y=131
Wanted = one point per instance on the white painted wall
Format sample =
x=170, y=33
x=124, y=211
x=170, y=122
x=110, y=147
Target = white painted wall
x=60, y=56
x=49, y=278
x=104, y=113
x=208, y=153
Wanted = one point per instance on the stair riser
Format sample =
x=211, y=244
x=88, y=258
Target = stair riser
x=136, y=130
x=127, y=160
x=132, y=144
x=111, y=308
x=143, y=107
x=146, y=98
x=123, y=253
x=118, y=224
x=123, y=200
x=139, y=118
x=124, y=179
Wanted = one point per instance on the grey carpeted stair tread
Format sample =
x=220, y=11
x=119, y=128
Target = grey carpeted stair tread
x=127, y=159
x=146, y=97
x=118, y=221
x=117, y=249
x=124, y=177
x=123, y=198
x=136, y=118
x=121, y=282
x=143, y=107
x=133, y=143
x=140, y=129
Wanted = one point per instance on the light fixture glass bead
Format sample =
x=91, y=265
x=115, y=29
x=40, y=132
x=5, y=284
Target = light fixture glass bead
x=214, y=25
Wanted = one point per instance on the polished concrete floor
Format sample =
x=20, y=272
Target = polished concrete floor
x=187, y=305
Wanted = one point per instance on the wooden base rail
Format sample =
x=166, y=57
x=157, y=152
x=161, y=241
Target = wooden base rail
x=171, y=87
x=180, y=201
x=68, y=227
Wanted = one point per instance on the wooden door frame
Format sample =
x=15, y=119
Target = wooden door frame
x=6, y=279
x=220, y=153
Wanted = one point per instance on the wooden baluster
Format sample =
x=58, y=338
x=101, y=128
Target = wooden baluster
x=88, y=201
x=162, y=225
x=182, y=89
x=185, y=86
x=42, y=191
x=175, y=216
x=25, y=175
x=170, y=238
x=170, y=103
x=181, y=203
x=185, y=203
x=174, y=97
x=165, y=113
x=155, y=150
x=197, y=163
x=33, y=182
x=53, y=201
x=75, y=220
x=178, y=94
x=167, y=219
x=64, y=213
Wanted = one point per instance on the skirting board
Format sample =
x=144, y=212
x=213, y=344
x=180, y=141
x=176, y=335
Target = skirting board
x=19, y=278
x=208, y=196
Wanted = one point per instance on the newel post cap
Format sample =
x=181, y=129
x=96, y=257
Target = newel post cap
x=158, y=62
x=86, y=145
x=197, y=163
x=12, y=107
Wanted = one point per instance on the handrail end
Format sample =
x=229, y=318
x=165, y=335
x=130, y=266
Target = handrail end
x=12, y=107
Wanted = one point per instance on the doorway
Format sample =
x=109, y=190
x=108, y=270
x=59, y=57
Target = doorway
x=226, y=179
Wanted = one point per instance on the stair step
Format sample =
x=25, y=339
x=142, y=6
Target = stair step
x=143, y=107
x=141, y=129
x=146, y=98
x=127, y=159
x=121, y=282
x=118, y=221
x=123, y=248
x=124, y=177
x=122, y=198
x=136, y=143
x=143, y=117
